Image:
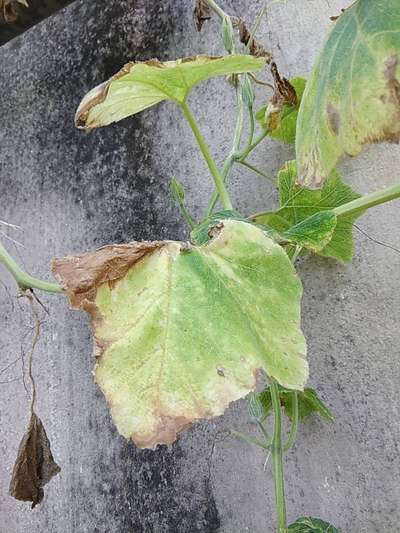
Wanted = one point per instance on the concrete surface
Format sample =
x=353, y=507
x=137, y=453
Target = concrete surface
x=72, y=192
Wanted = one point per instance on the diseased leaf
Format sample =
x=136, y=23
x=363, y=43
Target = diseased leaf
x=256, y=49
x=298, y=204
x=285, y=123
x=312, y=525
x=180, y=330
x=353, y=96
x=260, y=404
x=34, y=466
x=138, y=86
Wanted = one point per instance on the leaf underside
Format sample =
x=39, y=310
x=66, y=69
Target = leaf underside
x=353, y=96
x=298, y=204
x=138, y=86
x=181, y=331
x=311, y=525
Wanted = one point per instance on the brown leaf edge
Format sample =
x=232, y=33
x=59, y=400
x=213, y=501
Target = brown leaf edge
x=99, y=93
x=34, y=466
x=10, y=10
x=256, y=49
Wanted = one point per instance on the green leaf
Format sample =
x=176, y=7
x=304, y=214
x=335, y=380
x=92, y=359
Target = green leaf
x=314, y=232
x=286, y=130
x=308, y=403
x=260, y=405
x=353, y=95
x=181, y=331
x=138, y=86
x=311, y=525
x=298, y=204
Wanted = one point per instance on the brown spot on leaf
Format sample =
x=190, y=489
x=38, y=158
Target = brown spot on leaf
x=333, y=118
x=34, y=466
x=201, y=13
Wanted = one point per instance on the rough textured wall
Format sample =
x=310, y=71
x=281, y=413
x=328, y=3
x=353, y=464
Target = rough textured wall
x=72, y=192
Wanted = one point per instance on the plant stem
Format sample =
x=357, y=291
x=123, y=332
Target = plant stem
x=219, y=182
x=215, y=7
x=250, y=148
x=257, y=171
x=295, y=423
x=256, y=26
x=277, y=459
x=228, y=164
x=24, y=280
x=250, y=440
x=369, y=200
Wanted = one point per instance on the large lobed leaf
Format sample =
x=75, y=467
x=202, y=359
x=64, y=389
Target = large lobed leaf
x=353, y=95
x=140, y=85
x=298, y=204
x=181, y=330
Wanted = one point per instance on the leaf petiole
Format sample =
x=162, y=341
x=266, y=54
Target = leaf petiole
x=24, y=280
x=369, y=200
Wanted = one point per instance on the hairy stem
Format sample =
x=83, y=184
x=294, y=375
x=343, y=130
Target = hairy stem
x=219, y=182
x=295, y=423
x=277, y=459
x=369, y=200
x=24, y=280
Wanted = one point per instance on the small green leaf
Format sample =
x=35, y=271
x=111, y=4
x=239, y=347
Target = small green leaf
x=353, y=95
x=298, y=204
x=308, y=403
x=314, y=232
x=177, y=191
x=138, y=86
x=181, y=331
x=260, y=404
x=311, y=525
x=286, y=130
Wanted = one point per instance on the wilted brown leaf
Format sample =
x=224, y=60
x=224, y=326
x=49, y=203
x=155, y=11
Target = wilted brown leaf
x=201, y=13
x=284, y=93
x=34, y=466
x=9, y=9
x=256, y=49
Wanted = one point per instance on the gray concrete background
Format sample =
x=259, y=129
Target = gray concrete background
x=72, y=192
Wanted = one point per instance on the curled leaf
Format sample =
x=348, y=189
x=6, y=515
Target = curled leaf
x=138, y=86
x=353, y=95
x=181, y=330
x=34, y=466
x=9, y=9
x=284, y=93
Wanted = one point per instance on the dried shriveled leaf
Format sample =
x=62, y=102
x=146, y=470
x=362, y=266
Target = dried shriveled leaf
x=256, y=49
x=34, y=466
x=299, y=204
x=10, y=10
x=201, y=13
x=312, y=525
x=353, y=96
x=181, y=330
x=138, y=86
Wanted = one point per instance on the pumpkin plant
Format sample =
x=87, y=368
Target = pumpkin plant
x=181, y=329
